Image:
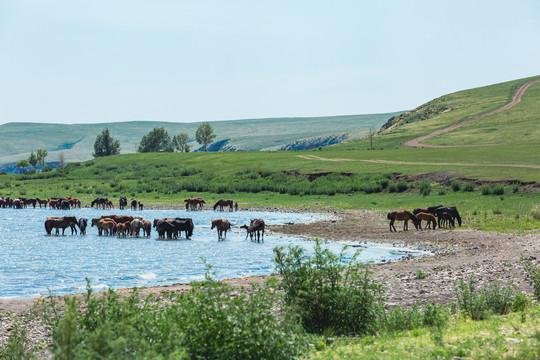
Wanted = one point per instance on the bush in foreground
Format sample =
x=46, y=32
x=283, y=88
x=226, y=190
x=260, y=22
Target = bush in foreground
x=211, y=321
x=332, y=296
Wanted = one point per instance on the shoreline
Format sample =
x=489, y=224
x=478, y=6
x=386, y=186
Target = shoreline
x=452, y=254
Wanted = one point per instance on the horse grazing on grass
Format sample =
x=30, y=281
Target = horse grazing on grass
x=430, y=219
x=224, y=203
x=445, y=219
x=402, y=216
x=429, y=210
x=222, y=226
x=254, y=230
x=450, y=210
x=61, y=223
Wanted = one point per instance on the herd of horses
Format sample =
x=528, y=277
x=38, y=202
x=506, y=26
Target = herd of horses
x=125, y=225
x=64, y=203
x=434, y=216
x=133, y=226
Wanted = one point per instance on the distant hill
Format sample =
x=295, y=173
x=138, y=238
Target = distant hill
x=76, y=141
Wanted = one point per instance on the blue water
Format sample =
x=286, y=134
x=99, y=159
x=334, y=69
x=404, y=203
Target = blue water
x=32, y=263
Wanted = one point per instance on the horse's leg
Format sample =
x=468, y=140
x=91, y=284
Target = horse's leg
x=405, y=225
x=391, y=225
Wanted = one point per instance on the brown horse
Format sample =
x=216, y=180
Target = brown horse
x=402, y=216
x=147, y=227
x=122, y=203
x=42, y=202
x=254, y=230
x=194, y=203
x=223, y=203
x=222, y=226
x=133, y=204
x=61, y=223
x=430, y=218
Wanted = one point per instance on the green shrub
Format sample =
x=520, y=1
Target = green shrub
x=207, y=322
x=420, y=274
x=533, y=275
x=402, y=186
x=468, y=187
x=515, y=188
x=331, y=296
x=535, y=212
x=372, y=188
x=493, y=190
x=400, y=319
x=479, y=304
x=425, y=187
x=456, y=185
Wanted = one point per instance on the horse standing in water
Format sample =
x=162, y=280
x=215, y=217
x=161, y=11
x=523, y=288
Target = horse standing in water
x=402, y=216
x=222, y=226
x=255, y=228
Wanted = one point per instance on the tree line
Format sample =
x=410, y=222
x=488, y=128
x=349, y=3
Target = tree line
x=157, y=140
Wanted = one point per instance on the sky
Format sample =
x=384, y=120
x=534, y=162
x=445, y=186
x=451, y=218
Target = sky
x=92, y=61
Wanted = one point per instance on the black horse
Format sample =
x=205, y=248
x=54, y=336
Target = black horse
x=83, y=223
x=450, y=210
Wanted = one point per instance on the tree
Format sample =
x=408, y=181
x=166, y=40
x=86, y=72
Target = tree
x=106, y=145
x=61, y=161
x=205, y=134
x=157, y=140
x=371, y=135
x=41, y=154
x=180, y=142
x=33, y=159
x=22, y=164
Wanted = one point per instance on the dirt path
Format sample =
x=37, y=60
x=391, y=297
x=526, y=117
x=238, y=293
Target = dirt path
x=319, y=158
x=515, y=100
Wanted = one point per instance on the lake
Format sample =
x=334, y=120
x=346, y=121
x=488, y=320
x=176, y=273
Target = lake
x=32, y=263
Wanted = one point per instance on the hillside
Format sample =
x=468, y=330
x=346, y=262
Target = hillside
x=516, y=125
x=76, y=141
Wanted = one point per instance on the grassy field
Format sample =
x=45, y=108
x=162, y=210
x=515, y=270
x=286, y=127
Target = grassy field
x=513, y=336
x=76, y=141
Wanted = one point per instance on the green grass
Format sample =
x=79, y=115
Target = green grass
x=76, y=141
x=514, y=126
x=513, y=336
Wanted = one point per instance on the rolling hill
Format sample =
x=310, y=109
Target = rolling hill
x=76, y=141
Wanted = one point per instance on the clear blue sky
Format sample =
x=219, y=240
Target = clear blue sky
x=87, y=61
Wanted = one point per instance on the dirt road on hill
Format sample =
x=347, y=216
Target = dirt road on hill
x=515, y=100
